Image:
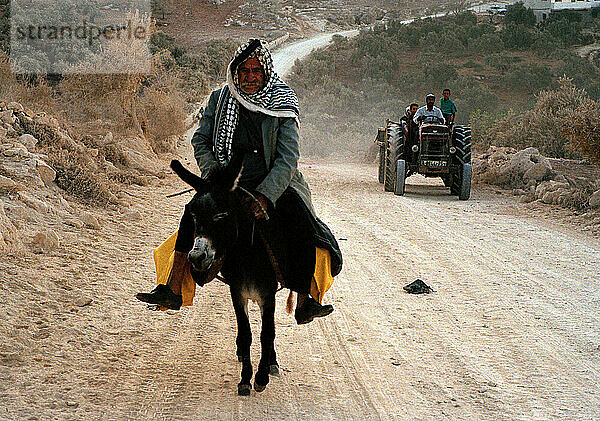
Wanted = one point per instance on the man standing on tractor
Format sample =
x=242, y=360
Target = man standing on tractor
x=448, y=107
x=410, y=128
x=429, y=110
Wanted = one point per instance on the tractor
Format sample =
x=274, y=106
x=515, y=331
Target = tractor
x=436, y=150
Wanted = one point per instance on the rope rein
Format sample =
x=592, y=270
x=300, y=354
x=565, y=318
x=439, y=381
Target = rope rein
x=179, y=193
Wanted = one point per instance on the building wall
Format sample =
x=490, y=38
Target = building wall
x=542, y=8
x=579, y=4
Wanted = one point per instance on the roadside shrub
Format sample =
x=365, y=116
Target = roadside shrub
x=216, y=54
x=470, y=95
x=474, y=65
x=4, y=26
x=161, y=41
x=519, y=14
x=582, y=128
x=163, y=115
x=542, y=126
x=481, y=122
x=584, y=74
x=437, y=75
x=565, y=25
x=529, y=77
x=466, y=18
x=502, y=61
x=77, y=175
x=35, y=94
x=546, y=44
x=517, y=37
x=490, y=43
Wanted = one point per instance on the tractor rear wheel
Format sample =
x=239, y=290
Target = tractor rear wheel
x=461, y=140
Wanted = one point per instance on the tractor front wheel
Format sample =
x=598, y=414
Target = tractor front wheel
x=400, y=177
x=465, y=183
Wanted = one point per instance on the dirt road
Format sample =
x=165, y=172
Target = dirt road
x=511, y=331
x=285, y=57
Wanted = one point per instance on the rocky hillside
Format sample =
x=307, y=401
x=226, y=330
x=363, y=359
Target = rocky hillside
x=200, y=20
x=535, y=179
x=49, y=179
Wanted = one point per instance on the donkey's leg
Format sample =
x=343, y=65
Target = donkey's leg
x=273, y=365
x=267, y=343
x=243, y=340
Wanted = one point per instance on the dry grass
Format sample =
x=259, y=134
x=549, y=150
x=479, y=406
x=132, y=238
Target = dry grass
x=163, y=115
x=32, y=92
x=562, y=124
x=76, y=175
x=145, y=112
x=583, y=130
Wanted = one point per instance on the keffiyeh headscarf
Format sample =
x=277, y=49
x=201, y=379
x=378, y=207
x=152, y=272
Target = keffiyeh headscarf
x=274, y=99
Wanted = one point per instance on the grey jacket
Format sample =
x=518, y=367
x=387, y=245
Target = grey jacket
x=282, y=150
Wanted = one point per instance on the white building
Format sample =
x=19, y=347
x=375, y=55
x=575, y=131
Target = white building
x=543, y=8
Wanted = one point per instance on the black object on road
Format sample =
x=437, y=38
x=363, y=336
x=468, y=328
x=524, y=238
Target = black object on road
x=418, y=287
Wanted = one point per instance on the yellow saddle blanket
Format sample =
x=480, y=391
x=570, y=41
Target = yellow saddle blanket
x=164, y=255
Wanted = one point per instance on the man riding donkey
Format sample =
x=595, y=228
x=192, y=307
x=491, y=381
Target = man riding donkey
x=255, y=114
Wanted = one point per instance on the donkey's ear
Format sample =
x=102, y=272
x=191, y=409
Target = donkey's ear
x=233, y=171
x=192, y=179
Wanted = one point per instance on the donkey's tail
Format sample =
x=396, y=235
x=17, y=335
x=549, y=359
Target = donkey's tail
x=289, y=304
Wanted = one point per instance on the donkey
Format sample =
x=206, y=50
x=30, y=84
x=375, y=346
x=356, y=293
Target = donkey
x=225, y=237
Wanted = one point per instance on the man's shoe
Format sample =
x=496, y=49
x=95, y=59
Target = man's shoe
x=161, y=295
x=311, y=309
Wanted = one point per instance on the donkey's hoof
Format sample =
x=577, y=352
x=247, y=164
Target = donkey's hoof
x=259, y=388
x=244, y=389
x=274, y=369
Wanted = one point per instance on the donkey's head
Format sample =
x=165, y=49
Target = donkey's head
x=212, y=211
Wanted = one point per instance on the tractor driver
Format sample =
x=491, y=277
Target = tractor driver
x=429, y=110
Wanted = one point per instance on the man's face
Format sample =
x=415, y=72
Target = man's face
x=429, y=101
x=251, y=76
x=413, y=109
x=446, y=95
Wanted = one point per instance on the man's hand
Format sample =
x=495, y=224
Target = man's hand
x=253, y=207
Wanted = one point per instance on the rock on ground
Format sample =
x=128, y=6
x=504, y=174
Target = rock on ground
x=28, y=140
x=45, y=241
x=538, y=172
x=595, y=200
x=8, y=183
x=90, y=221
x=46, y=172
x=9, y=237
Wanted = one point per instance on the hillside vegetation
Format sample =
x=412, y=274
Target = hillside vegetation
x=125, y=120
x=349, y=88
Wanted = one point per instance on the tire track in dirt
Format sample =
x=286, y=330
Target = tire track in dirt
x=370, y=266
x=441, y=256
